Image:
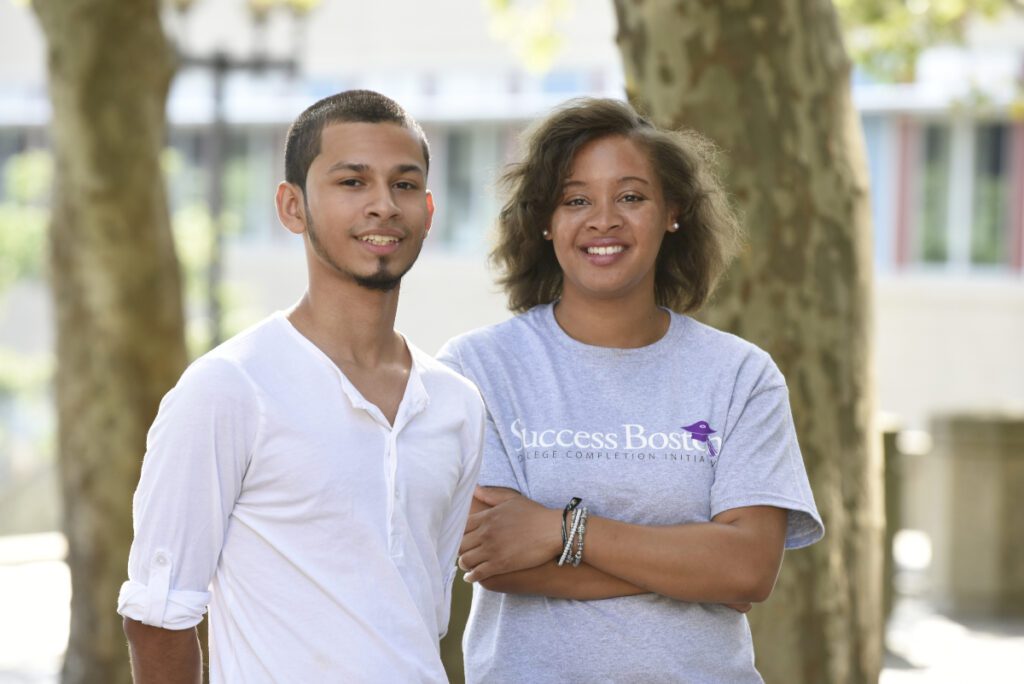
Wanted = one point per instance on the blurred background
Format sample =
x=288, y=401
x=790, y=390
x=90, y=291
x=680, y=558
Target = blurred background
x=942, y=112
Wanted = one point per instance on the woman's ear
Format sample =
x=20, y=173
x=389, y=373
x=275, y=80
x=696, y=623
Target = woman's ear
x=673, y=219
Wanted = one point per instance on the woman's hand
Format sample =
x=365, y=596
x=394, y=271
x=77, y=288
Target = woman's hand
x=513, y=533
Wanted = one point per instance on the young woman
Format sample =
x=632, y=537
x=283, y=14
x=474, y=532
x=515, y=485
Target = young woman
x=641, y=474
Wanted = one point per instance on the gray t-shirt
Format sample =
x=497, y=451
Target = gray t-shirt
x=675, y=432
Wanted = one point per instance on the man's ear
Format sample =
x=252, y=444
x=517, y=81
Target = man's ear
x=291, y=207
x=430, y=211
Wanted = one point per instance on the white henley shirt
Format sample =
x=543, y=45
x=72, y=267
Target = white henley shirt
x=321, y=537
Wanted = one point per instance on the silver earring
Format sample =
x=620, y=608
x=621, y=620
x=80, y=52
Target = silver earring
x=674, y=227
x=546, y=233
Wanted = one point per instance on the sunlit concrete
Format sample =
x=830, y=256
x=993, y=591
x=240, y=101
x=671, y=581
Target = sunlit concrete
x=924, y=646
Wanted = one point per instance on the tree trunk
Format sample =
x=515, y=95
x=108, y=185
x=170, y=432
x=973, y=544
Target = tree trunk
x=768, y=81
x=120, y=341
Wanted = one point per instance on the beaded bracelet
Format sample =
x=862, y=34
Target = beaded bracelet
x=578, y=556
x=571, y=506
x=577, y=515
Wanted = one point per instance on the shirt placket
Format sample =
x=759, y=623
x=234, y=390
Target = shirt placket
x=414, y=402
x=394, y=495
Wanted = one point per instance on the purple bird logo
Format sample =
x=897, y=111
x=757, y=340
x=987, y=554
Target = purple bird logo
x=701, y=432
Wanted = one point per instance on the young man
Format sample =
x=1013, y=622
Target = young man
x=310, y=478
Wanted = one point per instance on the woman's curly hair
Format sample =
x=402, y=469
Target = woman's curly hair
x=691, y=259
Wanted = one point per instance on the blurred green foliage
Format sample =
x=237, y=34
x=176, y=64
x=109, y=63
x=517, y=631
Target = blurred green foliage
x=259, y=8
x=21, y=374
x=23, y=215
x=885, y=37
x=28, y=483
x=193, y=229
x=531, y=29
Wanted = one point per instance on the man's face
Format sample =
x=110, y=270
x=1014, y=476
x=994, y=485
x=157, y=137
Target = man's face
x=366, y=205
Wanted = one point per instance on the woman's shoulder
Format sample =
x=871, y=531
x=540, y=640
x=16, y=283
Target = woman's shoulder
x=703, y=335
x=712, y=347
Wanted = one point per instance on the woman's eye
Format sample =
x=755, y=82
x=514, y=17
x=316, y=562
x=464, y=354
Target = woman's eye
x=575, y=202
x=632, y=197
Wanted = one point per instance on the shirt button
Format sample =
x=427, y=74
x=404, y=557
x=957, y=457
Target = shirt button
x=161, y=559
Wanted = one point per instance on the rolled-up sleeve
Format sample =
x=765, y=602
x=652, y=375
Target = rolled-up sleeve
x=197, y=452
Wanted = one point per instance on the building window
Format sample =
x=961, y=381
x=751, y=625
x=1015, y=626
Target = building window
x=989, y=211
x=960, y=202
x=459, y=185
x=878, y=139
x=474, y=158
x=933, y=204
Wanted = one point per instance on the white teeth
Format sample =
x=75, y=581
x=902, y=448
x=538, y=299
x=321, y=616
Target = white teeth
x=379, y=239
x=605, y=251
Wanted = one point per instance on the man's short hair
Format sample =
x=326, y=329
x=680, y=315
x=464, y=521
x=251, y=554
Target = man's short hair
x=351, y=106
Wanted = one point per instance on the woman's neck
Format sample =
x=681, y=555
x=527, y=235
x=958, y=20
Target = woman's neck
x=616, y=323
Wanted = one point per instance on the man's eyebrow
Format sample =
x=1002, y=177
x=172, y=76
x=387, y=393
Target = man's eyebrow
x=363, y=168
x=410, y=168
x=348, y=166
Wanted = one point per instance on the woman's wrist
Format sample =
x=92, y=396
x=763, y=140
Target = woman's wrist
x=553, y=540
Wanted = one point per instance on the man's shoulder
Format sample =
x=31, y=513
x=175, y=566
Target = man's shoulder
x=229, y=367
x=262, y=338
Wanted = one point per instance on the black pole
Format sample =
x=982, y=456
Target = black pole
x=220, y=65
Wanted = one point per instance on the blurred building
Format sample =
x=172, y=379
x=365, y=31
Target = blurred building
x=946, y=161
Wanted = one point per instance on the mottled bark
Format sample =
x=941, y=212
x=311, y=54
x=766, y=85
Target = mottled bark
x=116, y=285
x=768, y=81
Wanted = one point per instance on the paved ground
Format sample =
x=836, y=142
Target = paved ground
x=35, y=590
x=925, y=647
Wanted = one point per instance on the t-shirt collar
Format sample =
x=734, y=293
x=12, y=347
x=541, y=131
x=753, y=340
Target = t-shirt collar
x=414, y=400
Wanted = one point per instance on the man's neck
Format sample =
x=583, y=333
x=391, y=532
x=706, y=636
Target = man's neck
x=351, y=324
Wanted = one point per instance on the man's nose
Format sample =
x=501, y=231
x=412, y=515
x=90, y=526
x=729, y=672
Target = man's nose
x=382, y=202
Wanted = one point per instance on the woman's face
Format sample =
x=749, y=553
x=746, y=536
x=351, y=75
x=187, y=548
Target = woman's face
x=609, y=223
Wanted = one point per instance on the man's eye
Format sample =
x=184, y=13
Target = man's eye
x=405, y=185
x=350, y=182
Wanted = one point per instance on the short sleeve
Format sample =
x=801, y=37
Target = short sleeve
x=197, y=452
x=760, y=464
x=495, y=467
